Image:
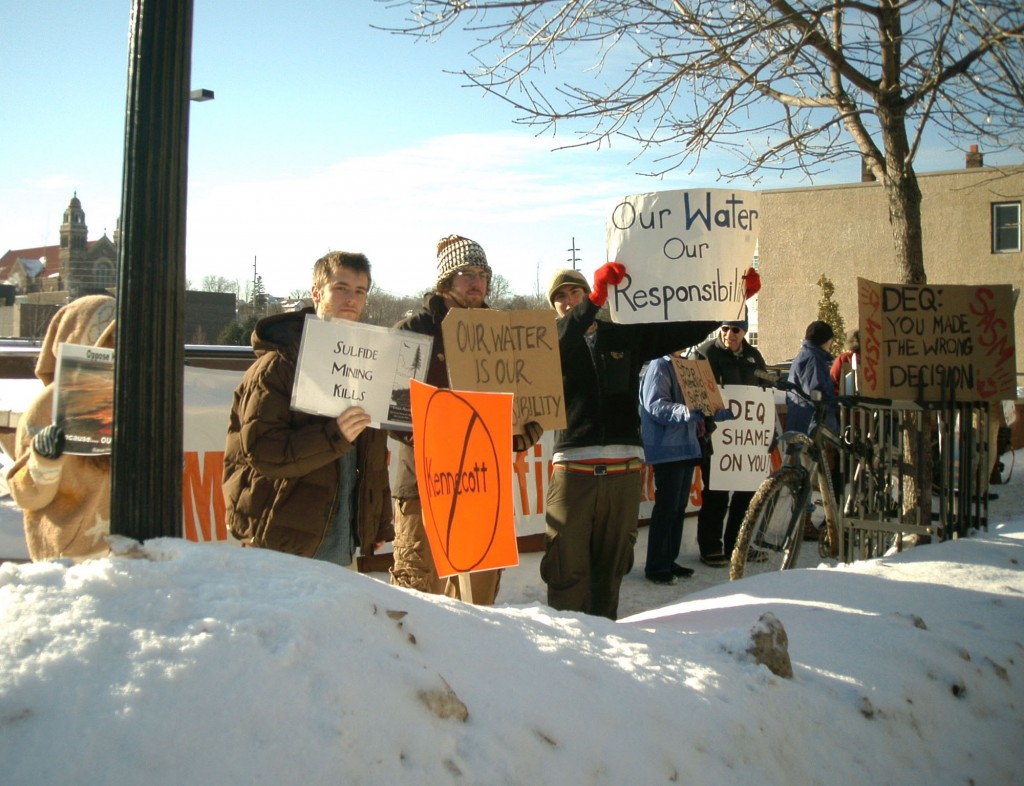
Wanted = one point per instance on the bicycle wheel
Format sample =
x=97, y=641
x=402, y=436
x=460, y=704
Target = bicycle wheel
x=768, y=539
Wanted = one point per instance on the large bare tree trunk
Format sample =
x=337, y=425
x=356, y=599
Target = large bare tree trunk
x=904, y=198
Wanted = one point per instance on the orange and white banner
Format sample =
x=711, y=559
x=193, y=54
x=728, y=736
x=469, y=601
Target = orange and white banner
x=208, y=395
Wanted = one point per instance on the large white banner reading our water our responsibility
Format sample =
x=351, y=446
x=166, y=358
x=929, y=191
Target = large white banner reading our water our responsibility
x=685, y=254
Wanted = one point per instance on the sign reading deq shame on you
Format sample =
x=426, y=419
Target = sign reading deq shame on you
x=685, y=254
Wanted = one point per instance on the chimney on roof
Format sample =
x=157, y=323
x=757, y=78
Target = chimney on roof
x=866, y=175
x=975, y=160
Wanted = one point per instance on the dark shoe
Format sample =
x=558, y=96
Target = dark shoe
x=680, y=572
x=662, y=577
x=715, y=560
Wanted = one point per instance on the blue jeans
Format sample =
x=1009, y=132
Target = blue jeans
x=665, y=533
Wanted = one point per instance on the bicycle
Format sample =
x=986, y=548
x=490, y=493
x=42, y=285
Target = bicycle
x=771, y=534
x=875, y=466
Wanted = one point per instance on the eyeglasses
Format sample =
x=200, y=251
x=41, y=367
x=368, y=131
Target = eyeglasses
x=731, y=329
x=473, y=275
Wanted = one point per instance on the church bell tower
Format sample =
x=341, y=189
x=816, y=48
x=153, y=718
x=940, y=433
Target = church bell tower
x=74, y=235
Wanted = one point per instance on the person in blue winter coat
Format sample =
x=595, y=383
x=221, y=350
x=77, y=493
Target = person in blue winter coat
x=811, y=370
x=670, y=433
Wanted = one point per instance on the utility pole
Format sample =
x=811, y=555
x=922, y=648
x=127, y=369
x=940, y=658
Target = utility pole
x=146, y=462
x=573, y=259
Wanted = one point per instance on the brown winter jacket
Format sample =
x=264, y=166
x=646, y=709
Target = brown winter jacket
x=65, y=501
x=281, y=474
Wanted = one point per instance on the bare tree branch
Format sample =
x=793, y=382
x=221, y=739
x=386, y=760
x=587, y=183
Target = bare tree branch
x=779, y=84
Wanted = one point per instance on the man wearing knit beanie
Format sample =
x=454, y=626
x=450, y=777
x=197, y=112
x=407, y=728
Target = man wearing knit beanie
x=457, y=256
x=463, y=281
x=593, y=497
x=568, y=278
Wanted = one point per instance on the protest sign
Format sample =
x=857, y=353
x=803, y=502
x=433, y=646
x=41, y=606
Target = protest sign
x=463, y=446
x=740, y=460
x=697, y=381
x=685, y=253
x=83, y=398
x=934, y=342
x=508, y=352
x=344, y=364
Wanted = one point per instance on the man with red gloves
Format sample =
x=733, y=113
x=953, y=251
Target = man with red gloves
x=593, y=499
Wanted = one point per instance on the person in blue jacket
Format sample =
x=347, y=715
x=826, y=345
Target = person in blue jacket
x=812, y=370
x=670, y=432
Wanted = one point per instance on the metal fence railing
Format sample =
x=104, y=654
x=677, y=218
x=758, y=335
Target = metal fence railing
x=887, y=498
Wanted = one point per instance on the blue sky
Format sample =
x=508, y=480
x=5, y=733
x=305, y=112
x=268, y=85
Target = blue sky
x=324, y=134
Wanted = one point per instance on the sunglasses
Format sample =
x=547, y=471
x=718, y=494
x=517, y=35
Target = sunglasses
x=731, y=329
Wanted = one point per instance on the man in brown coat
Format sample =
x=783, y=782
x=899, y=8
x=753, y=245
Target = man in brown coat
x=295, y=482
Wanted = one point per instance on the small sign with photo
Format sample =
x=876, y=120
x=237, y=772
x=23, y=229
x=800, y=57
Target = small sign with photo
x=83, y=398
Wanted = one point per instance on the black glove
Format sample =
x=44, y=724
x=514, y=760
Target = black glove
x=532, y=431
x=49, y=443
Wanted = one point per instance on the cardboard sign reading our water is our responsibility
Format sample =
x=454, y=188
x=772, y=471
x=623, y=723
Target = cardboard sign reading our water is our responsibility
x=508, y=352
x=463, y=447
x=685, y=254
x=740, y=459
x=344, y=364
x=935, y=342
x=697, y=381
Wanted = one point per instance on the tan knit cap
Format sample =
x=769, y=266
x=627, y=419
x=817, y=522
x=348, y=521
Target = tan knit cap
x=566, y=276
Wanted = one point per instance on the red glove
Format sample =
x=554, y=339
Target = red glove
x=609, y=273
x=751, y=283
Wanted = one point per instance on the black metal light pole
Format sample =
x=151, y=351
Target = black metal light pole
x=149, y=366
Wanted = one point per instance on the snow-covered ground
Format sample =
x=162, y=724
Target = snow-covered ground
x=210, y=664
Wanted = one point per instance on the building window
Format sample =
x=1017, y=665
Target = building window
x=1005, y=227
x=105, y=277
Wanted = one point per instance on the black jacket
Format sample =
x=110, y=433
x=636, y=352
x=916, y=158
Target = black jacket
x=729, y=368
x=601, y=373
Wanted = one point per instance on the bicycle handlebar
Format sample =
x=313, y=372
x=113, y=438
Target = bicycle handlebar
x=775, y=379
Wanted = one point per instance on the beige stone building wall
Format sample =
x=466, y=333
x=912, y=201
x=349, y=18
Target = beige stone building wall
x=843, y=232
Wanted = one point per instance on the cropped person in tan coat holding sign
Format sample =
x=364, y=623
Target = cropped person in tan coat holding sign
x=295, y=482
x=65, y=498
x=463, y=281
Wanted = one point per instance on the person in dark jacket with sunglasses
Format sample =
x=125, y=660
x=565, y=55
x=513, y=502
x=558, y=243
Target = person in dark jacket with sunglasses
x=734, y=361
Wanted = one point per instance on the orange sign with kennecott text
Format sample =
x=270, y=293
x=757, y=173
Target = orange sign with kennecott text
x=463, y=447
